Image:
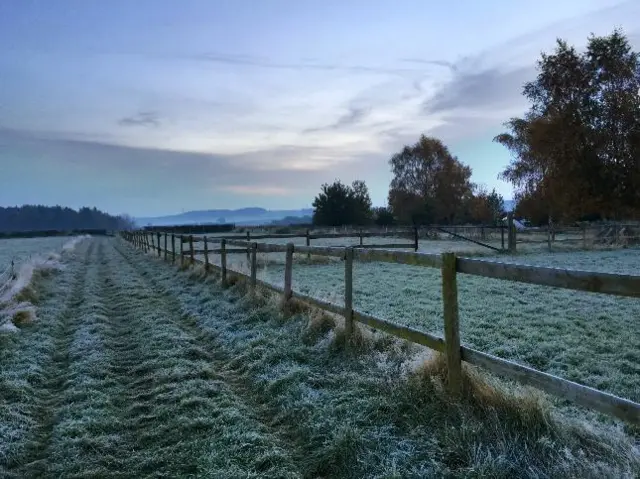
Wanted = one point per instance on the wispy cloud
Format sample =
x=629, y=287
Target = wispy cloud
x=244, y=60
x=474, y=90
x=485, y=89
x=422, y=61
x=353, y=116
x=149, y=119
x=141, y=177
x=259, y=190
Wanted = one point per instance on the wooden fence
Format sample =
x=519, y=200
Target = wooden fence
x=584, y=236
x=450, y=265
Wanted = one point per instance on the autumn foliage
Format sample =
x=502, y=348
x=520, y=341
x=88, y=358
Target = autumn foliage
x=429, y=184
x=576, y=152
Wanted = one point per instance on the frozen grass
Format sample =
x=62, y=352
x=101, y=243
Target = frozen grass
x=123, y=390
x=19, y=293
x=370, y=416
x=589, y=338
x=143, y=371
x=21, y=249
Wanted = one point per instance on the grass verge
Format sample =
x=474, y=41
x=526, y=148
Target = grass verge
x=373, y=414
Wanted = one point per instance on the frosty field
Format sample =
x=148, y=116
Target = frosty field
x=135, y=369
x=21, y=249
x=593, y=339
x=20, y=260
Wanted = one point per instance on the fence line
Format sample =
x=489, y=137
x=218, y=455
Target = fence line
x=412, y=233
x=450, y=265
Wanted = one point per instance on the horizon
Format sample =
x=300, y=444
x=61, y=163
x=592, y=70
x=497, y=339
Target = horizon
x=151, y=108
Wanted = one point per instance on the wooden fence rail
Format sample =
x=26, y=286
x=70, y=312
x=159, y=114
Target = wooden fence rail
x=450, y=265
x=409, y=233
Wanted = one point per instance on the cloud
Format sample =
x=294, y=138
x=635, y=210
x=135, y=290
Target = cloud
x=309, y=64
x=259, y=190
x=439, y=63
x=353, y=116
x=147, y=180
x=148, y=119
x=473, y=90
x=485, y=89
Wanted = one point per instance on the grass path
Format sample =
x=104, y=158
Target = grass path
x=130, y=393
x=137, y=370
x=33, y=367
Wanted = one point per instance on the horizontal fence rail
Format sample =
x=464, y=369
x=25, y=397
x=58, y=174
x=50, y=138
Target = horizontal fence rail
x=608, y=283
x=450, y=265
x=413, y=234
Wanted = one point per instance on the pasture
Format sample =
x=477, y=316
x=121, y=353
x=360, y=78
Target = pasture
x=137, y=369
x=22, y=249
x=589, y=338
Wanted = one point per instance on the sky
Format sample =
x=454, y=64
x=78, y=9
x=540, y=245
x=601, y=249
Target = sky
x=153, y=107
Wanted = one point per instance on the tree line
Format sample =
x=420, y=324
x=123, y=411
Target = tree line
x=31, y=218
x=429, y=186
x=575, y=153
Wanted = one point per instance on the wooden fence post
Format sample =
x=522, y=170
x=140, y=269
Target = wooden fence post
x=159, y=248
x=182, y=250
x=451, y=325
x=223, y=261
x=191, y=249
x=248, y=246
x=360, y=233
x=511, y=232
x=288, y=273
x=206, y=255
x=308, y=243
x=254, y=265
x=502, y=234
x=415, y=238
x=173, y=248
x=348, y=294
x=165, y=247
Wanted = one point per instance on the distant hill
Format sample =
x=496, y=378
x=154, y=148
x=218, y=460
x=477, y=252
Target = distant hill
x=241, y=217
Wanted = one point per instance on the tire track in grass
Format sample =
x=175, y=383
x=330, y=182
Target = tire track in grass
x=208, y=348
x=267, y=370
x=89, y=438
x=25, y=361
x=270, y=369
x=185, y=418
x=34, y=462
x=356, y=419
